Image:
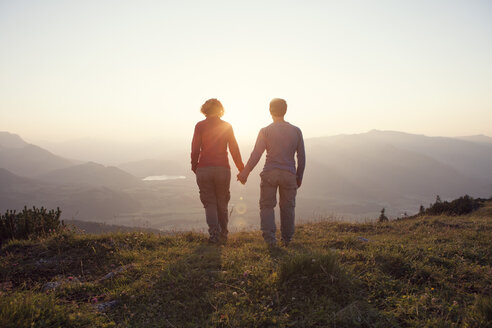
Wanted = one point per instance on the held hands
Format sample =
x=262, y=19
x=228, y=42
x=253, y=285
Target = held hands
x=242, y=177
x=299, y=183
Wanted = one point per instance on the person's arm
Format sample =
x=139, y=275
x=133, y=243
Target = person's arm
x=234, y=149
x=196, y=146
x=254, y=158
x=301, y=159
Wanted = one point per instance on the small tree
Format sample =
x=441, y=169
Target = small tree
x=421, y=210
x=382, y=216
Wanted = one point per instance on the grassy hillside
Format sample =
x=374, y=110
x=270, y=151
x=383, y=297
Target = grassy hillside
x=103, y=228
x=428, y=271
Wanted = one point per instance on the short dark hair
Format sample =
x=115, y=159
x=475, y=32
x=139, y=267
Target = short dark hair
x=278, y=107
x=212, y=107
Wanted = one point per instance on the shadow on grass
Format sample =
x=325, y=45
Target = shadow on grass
x=32, y=262
x=318, y=292
x=183, y=295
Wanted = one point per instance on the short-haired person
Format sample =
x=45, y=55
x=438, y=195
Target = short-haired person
x=282, y=141
x=210, y=163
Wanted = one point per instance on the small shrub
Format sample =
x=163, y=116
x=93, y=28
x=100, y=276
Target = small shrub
x=35, y=222
x=382, y=216
x=459, y=206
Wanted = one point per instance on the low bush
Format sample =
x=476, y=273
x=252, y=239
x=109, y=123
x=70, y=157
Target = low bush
x=459, y=206
x=29, y=223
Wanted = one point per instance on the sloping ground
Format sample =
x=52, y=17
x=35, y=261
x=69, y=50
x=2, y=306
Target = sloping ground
x=432, y=271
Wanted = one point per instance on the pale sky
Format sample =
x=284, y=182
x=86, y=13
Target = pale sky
x=136, y=70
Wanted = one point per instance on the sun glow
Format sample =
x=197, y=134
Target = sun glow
x=148, y=68
x=245, y=121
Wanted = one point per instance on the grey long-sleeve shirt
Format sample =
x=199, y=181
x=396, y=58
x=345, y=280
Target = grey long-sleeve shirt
x=282, y=141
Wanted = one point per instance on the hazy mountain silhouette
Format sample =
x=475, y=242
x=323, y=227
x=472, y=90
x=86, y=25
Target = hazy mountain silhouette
x=92, y=174
x=361, y=169
x=471, y=158
x=15, y=191
x=115, y=152
x=10, y=140
x=98, y=204
x=352, y=175
x=355, y=174
x=80, y=202
x=480, y=138
x=149, y=167
x=8, y=178
x=25, y=159
x=32, y=176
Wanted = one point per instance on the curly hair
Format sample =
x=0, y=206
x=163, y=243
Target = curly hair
x=212, y=107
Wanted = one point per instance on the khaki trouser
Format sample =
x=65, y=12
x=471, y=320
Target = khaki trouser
x=286, y=183
x=214, y=183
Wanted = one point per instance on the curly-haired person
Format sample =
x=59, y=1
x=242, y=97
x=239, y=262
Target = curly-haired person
x=209, y=161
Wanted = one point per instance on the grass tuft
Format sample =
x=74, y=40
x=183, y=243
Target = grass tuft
x=482, y=311
x=309, y=266
x=40, y=310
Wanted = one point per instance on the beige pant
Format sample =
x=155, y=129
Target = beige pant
x=286, y=184
x=214, y=183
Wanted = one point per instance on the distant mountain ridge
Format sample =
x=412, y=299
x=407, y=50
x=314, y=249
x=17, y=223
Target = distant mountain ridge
x=28, y=160
x=33, y=176
x=10, y=140
x=92, y=174
x=357, y=174
x=480, y=138
x=471, y=158
x=148, y=167
x=8, y=178
x=84, y=202
x=349, y=175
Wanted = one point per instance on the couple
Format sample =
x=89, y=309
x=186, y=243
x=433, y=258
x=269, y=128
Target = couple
x=209, y=161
